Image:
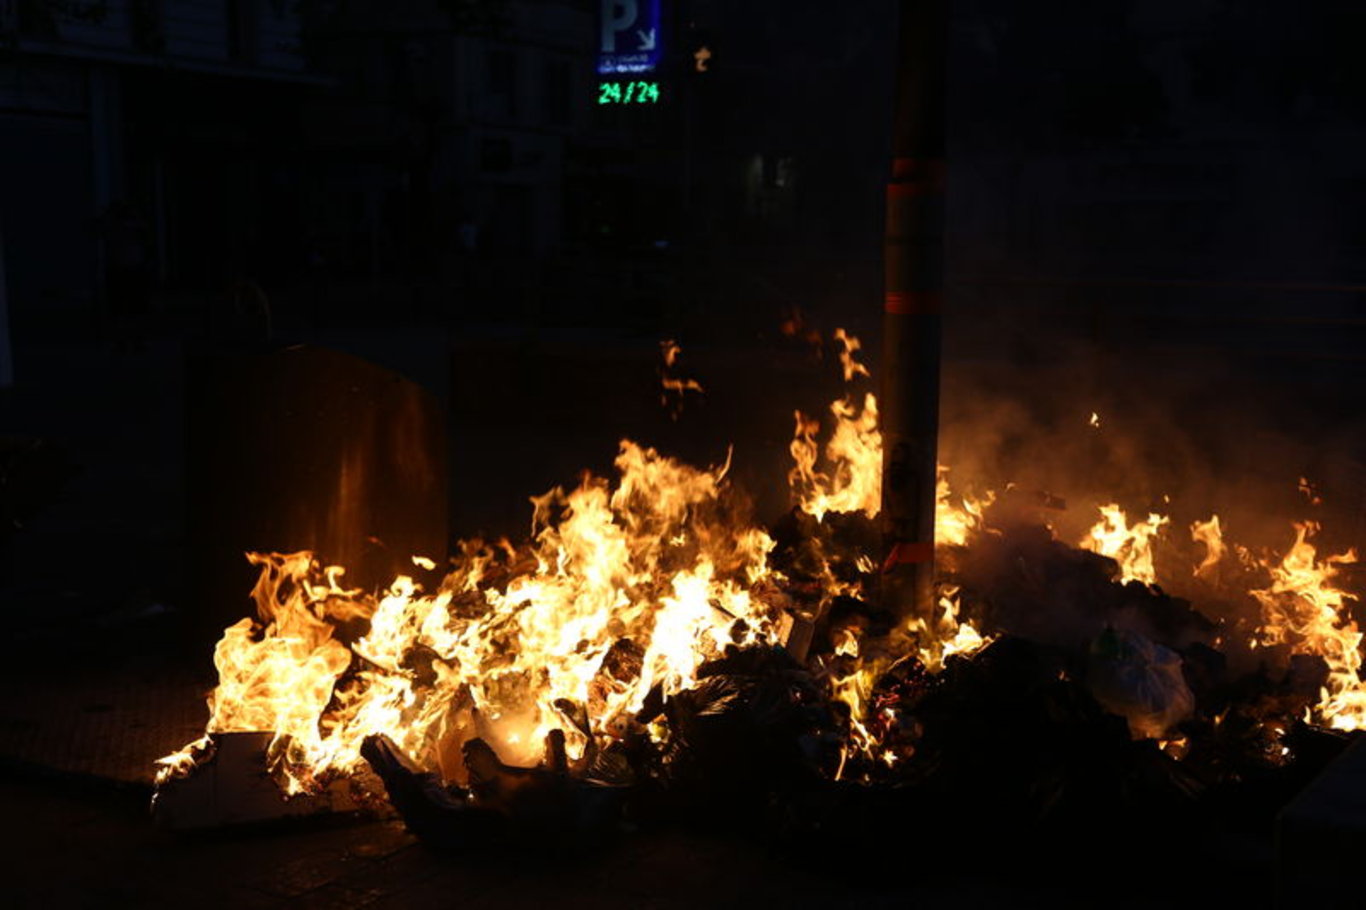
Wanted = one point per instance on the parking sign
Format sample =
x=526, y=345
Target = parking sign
x=630, y=39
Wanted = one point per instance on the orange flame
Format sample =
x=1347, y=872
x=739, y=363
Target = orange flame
x=659, y=561
x=851, y=480
x=849, y=346
x=1131, y=547
x=628, y=586
x=673, y=388
x=954, y=523
x=1304, y=609
x=1212, y=536
x=943, y=636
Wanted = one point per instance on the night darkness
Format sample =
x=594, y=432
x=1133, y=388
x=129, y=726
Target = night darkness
x=253, y=250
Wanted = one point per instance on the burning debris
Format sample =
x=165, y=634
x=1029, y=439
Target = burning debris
x=1305, y=611
x=650, y=652
x=509, y=636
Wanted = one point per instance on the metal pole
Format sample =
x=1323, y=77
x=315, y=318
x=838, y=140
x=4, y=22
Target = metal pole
x=914, y=281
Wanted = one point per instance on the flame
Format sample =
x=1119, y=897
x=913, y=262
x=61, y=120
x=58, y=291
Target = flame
x=1304, y=609
x=623, y=589
x=1177, y=747
x=673, y=389
x=849, y=345
x=854, y=678
x=1212, y=536
x=954, y=523
x=1131, y=547
x=945, y=635
x=854, y=688
x=851, y=480
x=1095, y=420
x=657, y=565
x=669, y=350
x=626, y=587
x=680, y=386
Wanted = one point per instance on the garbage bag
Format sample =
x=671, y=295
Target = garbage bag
x=1140, y=680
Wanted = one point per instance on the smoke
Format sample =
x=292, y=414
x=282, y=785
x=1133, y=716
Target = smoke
x=1186, y=436
x=1185, y=433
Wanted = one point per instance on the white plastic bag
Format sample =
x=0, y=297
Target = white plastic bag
x=1139, y=680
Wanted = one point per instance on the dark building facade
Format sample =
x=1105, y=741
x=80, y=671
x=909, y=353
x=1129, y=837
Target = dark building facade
x=451, y=154
x=126, y=104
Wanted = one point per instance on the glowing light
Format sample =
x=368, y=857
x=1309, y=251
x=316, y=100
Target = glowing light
x=635, y=92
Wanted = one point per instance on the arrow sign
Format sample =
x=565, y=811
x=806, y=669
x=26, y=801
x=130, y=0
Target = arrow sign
x=647, y=39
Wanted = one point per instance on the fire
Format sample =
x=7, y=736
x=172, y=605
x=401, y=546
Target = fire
x=1304, y=609
x=850, y=477
x=852, y=683
x=673, y=389
x=944, y=635
x=954, y=523
x=1212, y=536
x=849, y=346
x=851, y=480
x=854, y=675
x=1131, y=547
x=623, y=588
x=1177, y=748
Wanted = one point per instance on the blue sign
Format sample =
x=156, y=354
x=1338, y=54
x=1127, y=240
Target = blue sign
x=630, y=37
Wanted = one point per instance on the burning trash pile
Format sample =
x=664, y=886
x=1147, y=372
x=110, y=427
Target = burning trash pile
x=649, y=652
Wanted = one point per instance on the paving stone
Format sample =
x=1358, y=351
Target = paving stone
x=111, y=727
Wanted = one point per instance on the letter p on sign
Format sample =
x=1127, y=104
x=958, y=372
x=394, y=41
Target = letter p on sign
x=617, y=16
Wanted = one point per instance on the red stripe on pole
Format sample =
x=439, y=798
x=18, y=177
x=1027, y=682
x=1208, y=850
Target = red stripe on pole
x=927, y=172
x=912, y=189
x=913, y=303
x=906, y=553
